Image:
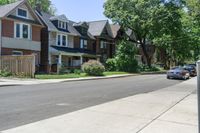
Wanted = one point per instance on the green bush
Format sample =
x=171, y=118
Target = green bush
x=145, y=68
x=4, y=73
x=111, y=65
x=125, y=57
x=77, y=71
x=93, y=68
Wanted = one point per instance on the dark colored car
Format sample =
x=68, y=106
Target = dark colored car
x=178, y=73
x=191, y=69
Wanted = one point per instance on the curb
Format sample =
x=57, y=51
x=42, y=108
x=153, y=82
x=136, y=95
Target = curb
x=99, y=78
x=154, y=73
x=87, y=79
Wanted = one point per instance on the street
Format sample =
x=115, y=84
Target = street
x=20, y=105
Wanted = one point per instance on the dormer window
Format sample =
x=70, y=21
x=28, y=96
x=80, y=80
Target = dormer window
x=22, y=13
x=62, y=25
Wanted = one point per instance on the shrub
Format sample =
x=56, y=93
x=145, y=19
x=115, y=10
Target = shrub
x=93, y=68
x=111, y=65
x=125, y=57
x=5, y=73
x=77, y=71
x=145, y=68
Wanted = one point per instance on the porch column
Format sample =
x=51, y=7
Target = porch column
x=59, y=65
x=81, y=59
x=60, y=59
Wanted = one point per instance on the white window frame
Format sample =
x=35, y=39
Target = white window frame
x=16, y=51
x=61, y=40
x=62, y=24
x=27, y=13
x=103, y=45
x=21, y=31
x=83, y=43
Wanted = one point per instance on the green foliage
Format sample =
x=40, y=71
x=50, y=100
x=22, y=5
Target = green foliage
x=144, y=68
x=111, y=65
x=5, y=73
x=3, y=2
x=172, y=25
x=125, y=57
x=77, y=71
x=93, y=68
x=137, y=16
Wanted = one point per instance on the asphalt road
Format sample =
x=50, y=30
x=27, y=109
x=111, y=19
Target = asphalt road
x=20, y=105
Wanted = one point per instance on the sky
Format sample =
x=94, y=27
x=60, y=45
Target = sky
x=80, y=10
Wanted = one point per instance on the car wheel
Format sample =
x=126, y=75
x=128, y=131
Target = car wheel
x=168, y=77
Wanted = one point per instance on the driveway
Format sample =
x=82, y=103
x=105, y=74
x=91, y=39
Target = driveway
x=21, y=105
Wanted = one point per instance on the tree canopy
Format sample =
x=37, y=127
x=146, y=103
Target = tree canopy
x=171, y=25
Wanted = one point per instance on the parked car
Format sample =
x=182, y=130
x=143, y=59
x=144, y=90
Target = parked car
x=178, y=73
x=191, y=69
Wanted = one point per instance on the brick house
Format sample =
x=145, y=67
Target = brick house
x=65, y=44
x=20, y=30
x=105, y=41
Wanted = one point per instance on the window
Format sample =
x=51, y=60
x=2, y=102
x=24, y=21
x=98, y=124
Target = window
x=25, y=31
x=62, y=25
x=14, y=52
x=83, y=44
x=18, y=30
x=22, y=31
x=64, y=40
x=22, y=13
x=103, y=45
x=61, y=40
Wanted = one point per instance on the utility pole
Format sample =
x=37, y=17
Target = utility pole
x=198, y=92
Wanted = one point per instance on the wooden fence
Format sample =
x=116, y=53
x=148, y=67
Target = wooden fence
x=18, y=65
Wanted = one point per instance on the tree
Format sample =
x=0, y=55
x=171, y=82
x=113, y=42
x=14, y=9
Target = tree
x=46, y=5
x=158, y=22
x=137, y=16
x=173, y=35
x=125, y=57
x=192, y=21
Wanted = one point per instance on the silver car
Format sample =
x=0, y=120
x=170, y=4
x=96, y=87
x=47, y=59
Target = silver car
x=178, y=73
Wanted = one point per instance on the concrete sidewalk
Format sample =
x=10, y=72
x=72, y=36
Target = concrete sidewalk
x=18, y=81
x=170, y=110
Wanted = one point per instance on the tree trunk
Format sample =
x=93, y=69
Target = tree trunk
x=148, y=58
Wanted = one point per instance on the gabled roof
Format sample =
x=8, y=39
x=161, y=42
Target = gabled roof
x=82, y=24
x=46, y=18
x=115, y=28
x=85, y=25
x=59, y=17
x=96, y=27
x=6, y=9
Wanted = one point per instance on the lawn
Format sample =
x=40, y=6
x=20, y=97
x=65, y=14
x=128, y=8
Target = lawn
x=73, y=75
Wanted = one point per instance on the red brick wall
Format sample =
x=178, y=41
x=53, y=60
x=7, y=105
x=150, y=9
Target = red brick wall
x=7, y=28
x=36, y=32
